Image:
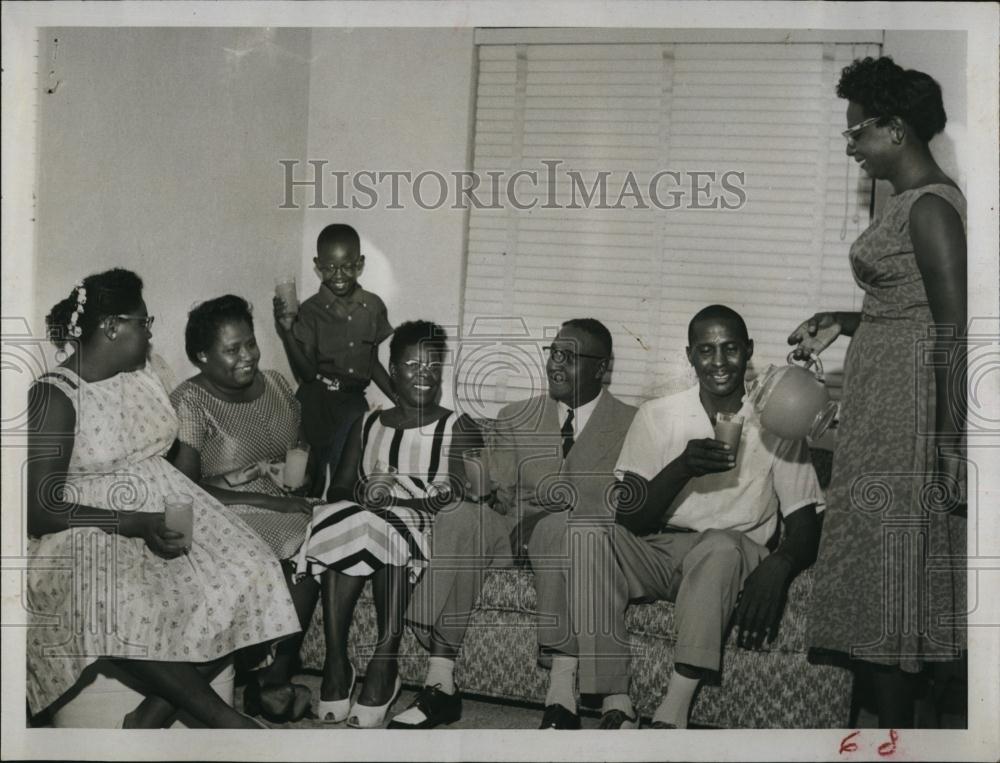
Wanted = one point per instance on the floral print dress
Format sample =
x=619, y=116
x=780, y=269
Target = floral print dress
x=890, y=577
x=95, y=594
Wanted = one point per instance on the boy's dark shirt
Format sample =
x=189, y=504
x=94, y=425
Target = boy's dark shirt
x=341, y=334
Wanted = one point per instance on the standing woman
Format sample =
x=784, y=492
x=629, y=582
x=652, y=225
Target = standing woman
x=887, y=595
x=163, y=607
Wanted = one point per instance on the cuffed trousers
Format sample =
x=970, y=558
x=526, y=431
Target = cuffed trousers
x=596, y=568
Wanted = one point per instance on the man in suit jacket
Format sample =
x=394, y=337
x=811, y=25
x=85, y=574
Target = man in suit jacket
x=551, y=454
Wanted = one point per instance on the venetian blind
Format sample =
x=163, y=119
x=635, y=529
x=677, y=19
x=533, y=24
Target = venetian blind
x=574, y=113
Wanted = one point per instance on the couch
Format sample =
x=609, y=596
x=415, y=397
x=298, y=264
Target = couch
x=774, y=689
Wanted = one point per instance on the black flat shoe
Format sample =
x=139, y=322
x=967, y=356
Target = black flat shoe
x=281, y=703
x=616, y=719
x=558, y=717
x=438, y=709
x=661, y=725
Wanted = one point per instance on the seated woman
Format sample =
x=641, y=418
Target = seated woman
x=234, y=418
x=399, y=467
x=164, y=607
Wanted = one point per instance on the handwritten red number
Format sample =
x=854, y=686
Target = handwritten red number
x=888, y=748
x=848, y=746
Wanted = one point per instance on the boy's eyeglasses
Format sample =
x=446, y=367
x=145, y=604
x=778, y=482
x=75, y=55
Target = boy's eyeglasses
x=146, y=321
x=413, y=366
x=851, y=133
x=348, y=269
x=560, y=355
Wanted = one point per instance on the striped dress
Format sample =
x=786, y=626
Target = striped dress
x=360, y=538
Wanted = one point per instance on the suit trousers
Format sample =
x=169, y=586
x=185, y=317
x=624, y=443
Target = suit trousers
x=467, y=540
x=597, y=568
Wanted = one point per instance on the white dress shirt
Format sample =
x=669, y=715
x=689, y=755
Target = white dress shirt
x=582, y=414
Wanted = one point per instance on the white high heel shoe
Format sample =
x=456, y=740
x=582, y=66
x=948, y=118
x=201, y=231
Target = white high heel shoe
x=372, y=717
x=337, y=710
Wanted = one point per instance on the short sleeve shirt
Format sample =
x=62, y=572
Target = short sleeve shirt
x=342, y=334
x=771, y=474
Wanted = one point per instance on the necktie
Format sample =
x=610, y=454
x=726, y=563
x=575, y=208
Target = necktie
x=567, y=433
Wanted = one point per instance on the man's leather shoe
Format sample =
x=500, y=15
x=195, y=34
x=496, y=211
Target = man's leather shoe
x=616, y=719
x=438, y=709
x=558, y=717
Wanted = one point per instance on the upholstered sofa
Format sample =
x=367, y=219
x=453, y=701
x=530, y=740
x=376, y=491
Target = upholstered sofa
x=774, y=689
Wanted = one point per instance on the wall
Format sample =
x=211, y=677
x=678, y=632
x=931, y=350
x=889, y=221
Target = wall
x=393, y=100
x=942, y=55
x=158, y=151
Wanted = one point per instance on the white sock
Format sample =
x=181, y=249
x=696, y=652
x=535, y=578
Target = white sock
x=441, y=670
x=440, y=673
x=677, y=704
x=618, y=702
x=562, y=682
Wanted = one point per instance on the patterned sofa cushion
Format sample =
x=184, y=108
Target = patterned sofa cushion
x=514, y=591
x=776, y=689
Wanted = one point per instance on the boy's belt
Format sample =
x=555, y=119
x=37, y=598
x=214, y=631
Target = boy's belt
x=339, y=384
x=675, y=529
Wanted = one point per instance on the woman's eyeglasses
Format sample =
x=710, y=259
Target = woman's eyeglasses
x=434, y=366
x=146, y=321
x=560, y=355
x=851, y=133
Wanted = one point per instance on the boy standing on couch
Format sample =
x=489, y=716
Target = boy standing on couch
x=332, y=347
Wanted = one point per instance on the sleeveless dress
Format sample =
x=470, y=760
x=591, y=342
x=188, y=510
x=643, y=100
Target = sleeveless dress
x=358, y=540
x=93, y=594
x=890, y=575
x=230, y=436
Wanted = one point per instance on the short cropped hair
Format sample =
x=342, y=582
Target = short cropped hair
x=207, y=319
x=338, y=233
x=421, y=333
x=718, y=313
x=595, y=330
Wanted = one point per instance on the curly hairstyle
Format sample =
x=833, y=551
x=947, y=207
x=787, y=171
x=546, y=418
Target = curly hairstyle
x=423, y=333
x=113, y=292
x=206, y=319
x=884, y=89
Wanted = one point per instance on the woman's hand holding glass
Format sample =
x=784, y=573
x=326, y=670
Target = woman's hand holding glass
x=815, y=335
x=152, y=528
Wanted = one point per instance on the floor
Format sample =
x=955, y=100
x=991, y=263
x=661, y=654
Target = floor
x=948, y=711
x=477, y=713
x=486, y=713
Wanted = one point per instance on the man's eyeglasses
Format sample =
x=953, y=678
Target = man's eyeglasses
x=348, y=268
x=852, y=132
x=434, y=366
x=560, y=355
x=146, y=321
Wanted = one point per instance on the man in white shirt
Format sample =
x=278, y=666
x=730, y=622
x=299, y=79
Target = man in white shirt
x=691, y=526
x=550, y=454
